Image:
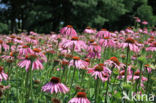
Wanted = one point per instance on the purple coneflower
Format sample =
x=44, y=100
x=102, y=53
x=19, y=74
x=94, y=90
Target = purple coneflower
x=81, y=98
x=3, y=75
x=55, y=86
x=68, y=31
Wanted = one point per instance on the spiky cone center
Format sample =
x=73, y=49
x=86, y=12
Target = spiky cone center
x=37, y=50
x=12, y=54
x=55, y=100
x=1, y=41
x=151, y=40
x=50, y=52
x=68, y=56
x=99, y=68
x=146, y=65
x=105, y=75
x=33, y=38
x=88, y=27
x=154, y=44
x=25, y=46
x=87, y=60
x=103, y=29
x=130, y=40
x=31, y=57
x=76, y=58
x=115, y=60
x=75, y=38
x=1, y=69
x=12, y=36
x=65, y=63
x=69, y=26
x=81, y=95
x=101, y=64
x=122, y=73
x=137, y=73
x=37, y=81
x=106, y=38
x=55, y=80
x=18, y=38
x=91, y=41
x=9, y=61
x=130, y=28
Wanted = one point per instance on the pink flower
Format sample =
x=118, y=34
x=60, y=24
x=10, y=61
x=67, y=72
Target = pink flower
x=145, y=22
x=152, y=47
x=149, y=70
x=137, y=19
x=68, y=31
x=131, y=44
x=89, y=30
x=78, y=63
x=107, y=42
x=3, y=46
x=100, y=71
x=75, y=44
x=114, y=62
x=25, y=63
x=81, y=98
x=33, y=60
x=2, y=74
x=55, y=86
x=94, y=51
x=25, y=50
x=103, y=33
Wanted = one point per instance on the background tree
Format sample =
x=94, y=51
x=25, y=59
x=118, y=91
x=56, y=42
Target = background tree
x=45, y=16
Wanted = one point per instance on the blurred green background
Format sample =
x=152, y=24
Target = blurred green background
x=44, y=16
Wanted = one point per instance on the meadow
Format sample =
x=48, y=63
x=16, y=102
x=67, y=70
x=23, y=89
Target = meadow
x=69, y=67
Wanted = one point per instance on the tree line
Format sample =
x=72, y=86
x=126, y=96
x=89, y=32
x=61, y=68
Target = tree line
x=44, y=16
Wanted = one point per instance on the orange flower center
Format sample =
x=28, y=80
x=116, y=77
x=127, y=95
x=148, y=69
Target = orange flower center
x=18, y=38
x=37, y=50
x=99, y=68
x=154, y=44
x=75, y=38
x=11, y=53
x=69, y=26
x=25, y=46
x=12, y=36
x=65, y=62
x=106, y=38
x=1, y=69
x=146, y=65
x=105, y=76
x=32, y=37
x=76, y=58
x=55, y=80
x=88, y=27
x=122, y=73
x=115, y=60
x=54, y=100
x=81, y=95
x=103, y=29
x=137, y=73
x=130, y=40
x=91, y=41
x=1, y=41
x=87, y=60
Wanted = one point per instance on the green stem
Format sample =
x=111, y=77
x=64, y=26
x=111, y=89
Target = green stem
x=126, y=64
